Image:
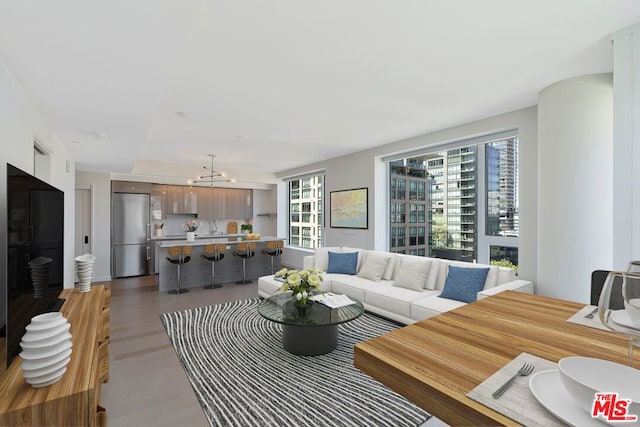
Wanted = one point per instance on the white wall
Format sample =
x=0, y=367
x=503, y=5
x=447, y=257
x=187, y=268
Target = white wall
x=575, y=183
x=265, y=212
x=626, y=146
x=20, y=124
x=100, y=186
x=363, y=169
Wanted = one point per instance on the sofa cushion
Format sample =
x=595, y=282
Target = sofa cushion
x=463, y=284
x=353, y=286
x=374, y=266
x=344, y=263
x=412, y=273
x=361, y=254
x=322, y=257
x=443, y=271
x=432, y=278
x=430, y=306
x=388, y=272
x=392, y=298
x=505, y=275
x=268, y=285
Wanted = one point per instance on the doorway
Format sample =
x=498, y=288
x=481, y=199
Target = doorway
x=83, y=238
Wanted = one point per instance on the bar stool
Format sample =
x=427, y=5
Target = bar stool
x=213, y=254
x=179, y=255
x=244, y=251
x=273, y=249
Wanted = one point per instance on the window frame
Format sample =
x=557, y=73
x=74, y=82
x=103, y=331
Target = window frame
x=470, y=161
x=306, y=212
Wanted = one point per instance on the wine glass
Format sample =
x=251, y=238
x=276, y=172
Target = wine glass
x=619, y=306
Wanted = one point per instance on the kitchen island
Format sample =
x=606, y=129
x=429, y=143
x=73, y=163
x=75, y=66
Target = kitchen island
x=197, y=272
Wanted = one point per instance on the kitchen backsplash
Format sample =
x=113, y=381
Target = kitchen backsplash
x=174, y=222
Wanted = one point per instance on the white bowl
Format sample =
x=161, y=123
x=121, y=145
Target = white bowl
x=633, y=310
x=583, y=377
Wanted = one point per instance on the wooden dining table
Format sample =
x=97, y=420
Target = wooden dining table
x=436, y=362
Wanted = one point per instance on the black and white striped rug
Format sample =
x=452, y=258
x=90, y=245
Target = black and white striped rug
x=243, y=377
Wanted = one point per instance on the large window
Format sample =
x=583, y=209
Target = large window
x=305, y=211
x=465, y=195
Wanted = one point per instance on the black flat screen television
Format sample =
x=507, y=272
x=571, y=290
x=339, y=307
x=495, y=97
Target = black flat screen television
x=35, y=249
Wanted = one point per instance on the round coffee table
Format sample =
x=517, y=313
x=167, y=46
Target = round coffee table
x=312, y=333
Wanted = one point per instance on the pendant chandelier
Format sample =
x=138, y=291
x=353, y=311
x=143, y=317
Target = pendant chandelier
x=212, y=176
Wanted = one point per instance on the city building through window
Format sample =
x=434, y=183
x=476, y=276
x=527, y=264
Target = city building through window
x=306, y=211
x=457, y=203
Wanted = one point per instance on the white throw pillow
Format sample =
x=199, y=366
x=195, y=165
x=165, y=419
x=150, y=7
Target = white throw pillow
x=322, y=257
x=412, y=273
x=374, y=266
x=432, y=278
x=388, y=273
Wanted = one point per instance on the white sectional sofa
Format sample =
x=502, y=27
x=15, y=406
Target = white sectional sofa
x=404, y=288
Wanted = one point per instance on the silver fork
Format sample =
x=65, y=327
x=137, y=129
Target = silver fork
x=526, y=369
x=591, y=313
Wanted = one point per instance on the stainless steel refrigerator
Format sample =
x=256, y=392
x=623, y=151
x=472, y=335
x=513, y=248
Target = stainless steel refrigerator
x=130, y=235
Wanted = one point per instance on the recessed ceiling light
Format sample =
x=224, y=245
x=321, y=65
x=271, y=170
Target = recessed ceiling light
x=243, y=137
x=75, y=141
x=102, y=135
x=181, y=114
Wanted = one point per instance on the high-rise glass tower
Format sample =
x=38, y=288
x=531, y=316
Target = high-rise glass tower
x=305, y=212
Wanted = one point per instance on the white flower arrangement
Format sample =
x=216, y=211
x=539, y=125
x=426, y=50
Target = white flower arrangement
x=303, y=283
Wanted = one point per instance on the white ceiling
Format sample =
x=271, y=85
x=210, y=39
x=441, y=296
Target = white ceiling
x=272, y=85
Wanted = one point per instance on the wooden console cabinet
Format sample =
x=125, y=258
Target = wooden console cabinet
x=75, y=399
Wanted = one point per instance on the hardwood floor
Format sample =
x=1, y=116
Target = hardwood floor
x=147, y=385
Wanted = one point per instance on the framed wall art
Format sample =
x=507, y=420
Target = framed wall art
x=349, y=209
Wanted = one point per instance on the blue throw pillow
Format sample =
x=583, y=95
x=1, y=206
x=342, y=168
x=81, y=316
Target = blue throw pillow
x=463, y=284
x=344, y=263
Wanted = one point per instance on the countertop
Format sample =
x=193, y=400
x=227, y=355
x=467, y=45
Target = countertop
x=227, y=238
x=198, y=236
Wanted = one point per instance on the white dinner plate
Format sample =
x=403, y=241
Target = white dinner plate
x=39, y=364
x=548, y=389
x=622, y=318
